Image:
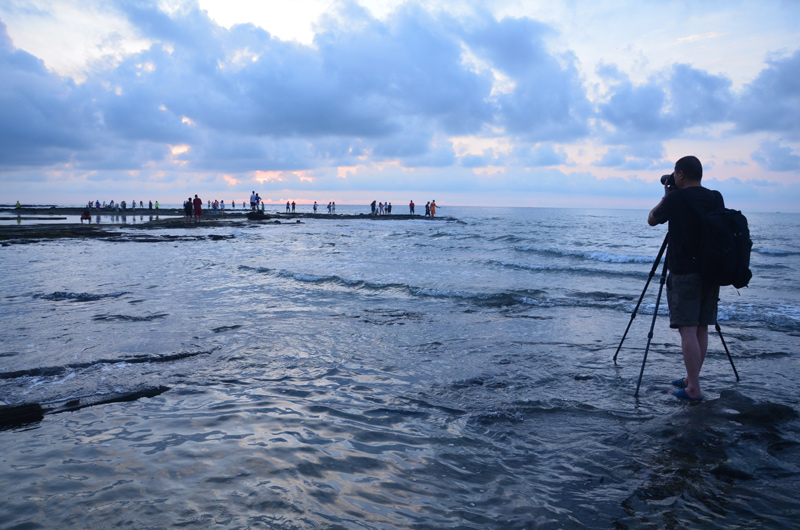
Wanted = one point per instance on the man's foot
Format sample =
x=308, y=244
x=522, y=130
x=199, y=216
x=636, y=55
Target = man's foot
x=680, y=383
x=681, y=394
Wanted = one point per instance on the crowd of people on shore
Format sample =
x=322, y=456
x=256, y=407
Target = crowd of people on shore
x=120, y=206
x=193, y=207
x=381, y=208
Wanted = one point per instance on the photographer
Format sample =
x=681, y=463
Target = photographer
x=692, y=302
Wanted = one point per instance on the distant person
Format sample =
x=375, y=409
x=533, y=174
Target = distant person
x=315, y=206
x=86, y=215
x=411, y=207
x=380, y=208
x=373, y=207
x=222, y=207
x=18, y=206
x=389, y=208
x=156, y=205
x=292, y=206
x=150, y=207
x=198, y=208
x=287, y=206
x=258, y=202
x=428, y=209
x=216, y=207
x=187, y=209
x=253, y=201
x=141, y=204
x=333, y=207
x=433, y=208
x=233, y=205
x=329, y=208
x=97, y=205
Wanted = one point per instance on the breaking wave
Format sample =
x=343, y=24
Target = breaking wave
x=590, y=255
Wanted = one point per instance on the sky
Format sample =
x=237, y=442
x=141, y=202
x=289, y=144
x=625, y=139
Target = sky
x=496, y=102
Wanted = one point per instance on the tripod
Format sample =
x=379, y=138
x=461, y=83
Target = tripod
x=655, y=314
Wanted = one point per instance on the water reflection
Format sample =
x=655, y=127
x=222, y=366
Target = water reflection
x=107, y=219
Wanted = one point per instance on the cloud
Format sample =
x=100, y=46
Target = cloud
x=538, y=156
x=43, y=118
x=664, y=106
x=772, y=101
x=775, y=157
x=386, y=95
x=547, y=101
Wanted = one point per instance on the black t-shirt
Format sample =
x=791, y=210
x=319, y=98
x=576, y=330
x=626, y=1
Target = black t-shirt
x=682, y=208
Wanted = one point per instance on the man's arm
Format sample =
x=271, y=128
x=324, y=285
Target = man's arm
x=653, y=217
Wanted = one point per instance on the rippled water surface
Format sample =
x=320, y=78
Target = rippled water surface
x=340, y=373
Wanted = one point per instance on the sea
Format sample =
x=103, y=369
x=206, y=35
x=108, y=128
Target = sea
x=338, y=373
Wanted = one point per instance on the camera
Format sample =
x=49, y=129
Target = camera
x=669, y=180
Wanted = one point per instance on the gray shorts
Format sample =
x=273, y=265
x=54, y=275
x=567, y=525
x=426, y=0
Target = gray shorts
x=692, y=302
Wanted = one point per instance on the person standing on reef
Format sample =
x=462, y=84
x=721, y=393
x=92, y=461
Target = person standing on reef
x=198, y=208
x=428, y=209
x=187, y=209
x=411, y=207
x=433, y=208
x=293, y=204
x=222, y=207
x=156, y=205
x=315, y=206
x=692, y=301
x=373, y=207
x=253, y=201
x=333, y=207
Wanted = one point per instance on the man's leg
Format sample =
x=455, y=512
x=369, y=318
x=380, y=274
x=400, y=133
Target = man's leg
x=694, y=343
x=702, y=341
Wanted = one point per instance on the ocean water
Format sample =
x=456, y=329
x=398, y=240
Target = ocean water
x=339, y=374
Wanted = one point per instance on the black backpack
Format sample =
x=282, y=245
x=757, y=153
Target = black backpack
x=724, y=245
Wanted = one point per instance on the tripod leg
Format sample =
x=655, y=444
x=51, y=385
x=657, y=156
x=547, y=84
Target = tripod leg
x=641, y=297
x=716, y=325
x=652, y=324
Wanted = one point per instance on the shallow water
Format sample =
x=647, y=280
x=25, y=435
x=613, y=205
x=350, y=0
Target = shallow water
x=404, y=374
